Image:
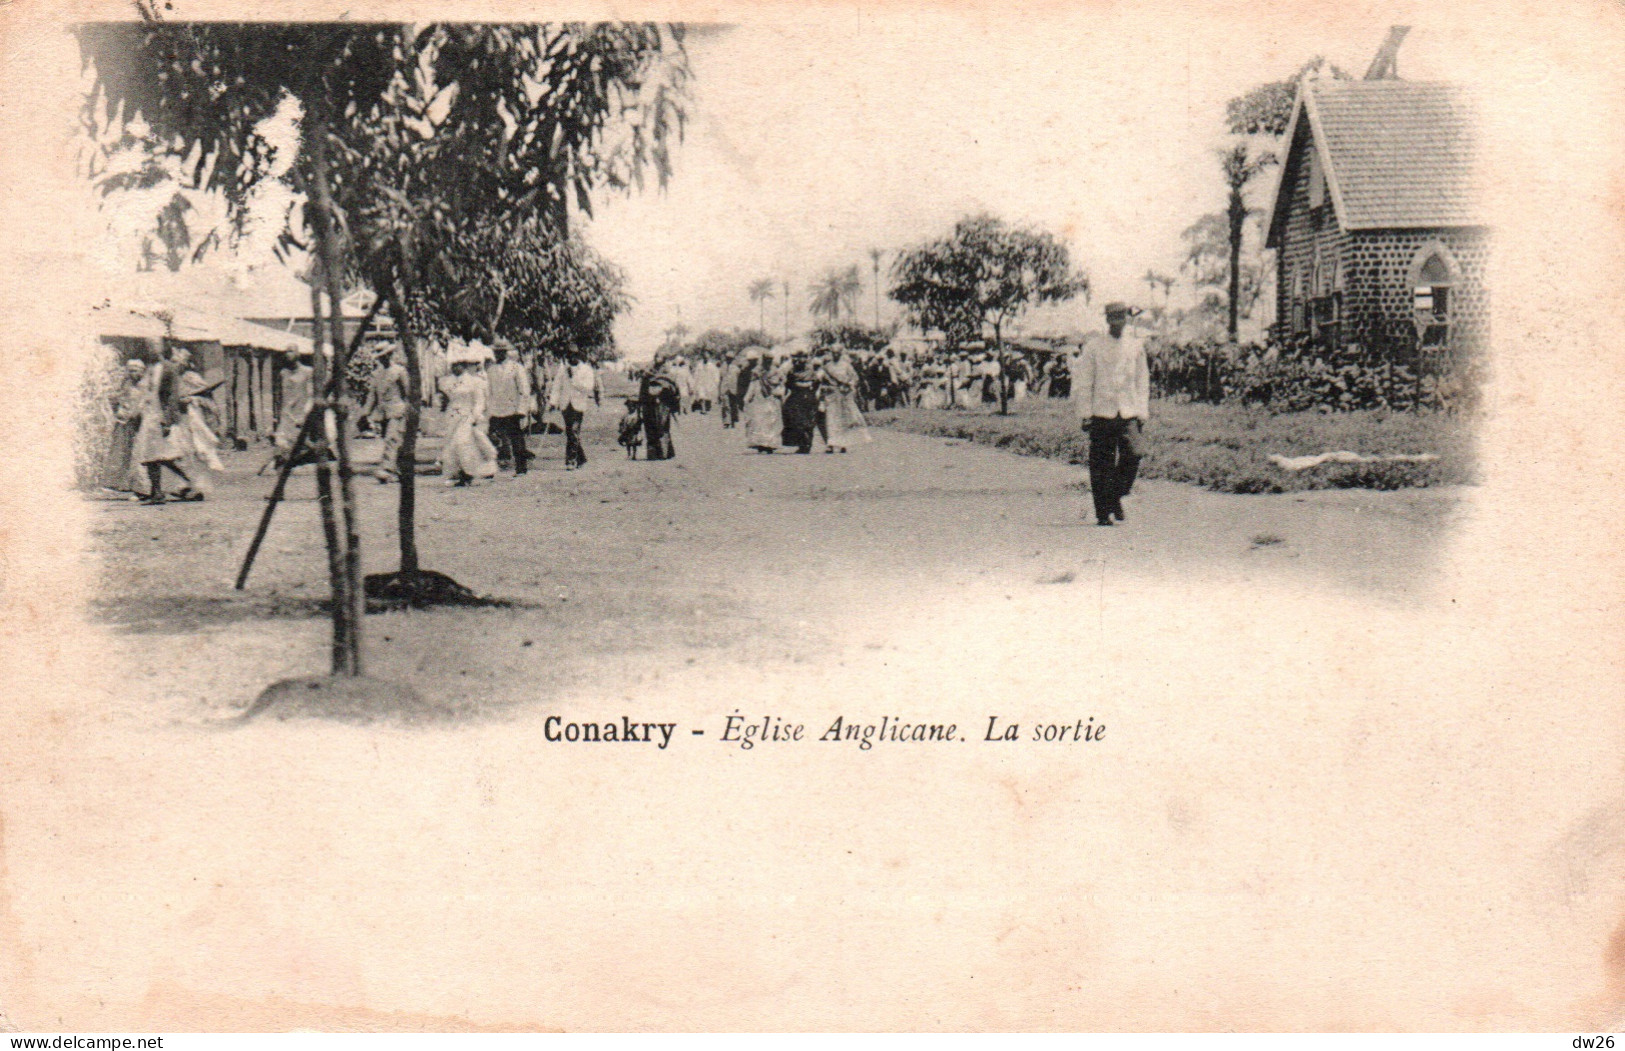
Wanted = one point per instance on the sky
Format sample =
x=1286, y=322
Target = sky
x=812, y=142
x=815, y=138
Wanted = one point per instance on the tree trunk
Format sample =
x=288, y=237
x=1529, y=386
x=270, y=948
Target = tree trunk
x=877, y=294
x=406, y=463
x=1238, y=220
x=998, y=357
x=353, y=596
x=496, y=316
x=337, y=579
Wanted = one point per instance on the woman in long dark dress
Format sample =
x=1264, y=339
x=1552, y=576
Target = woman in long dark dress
x=658, y=400
x=800, y=405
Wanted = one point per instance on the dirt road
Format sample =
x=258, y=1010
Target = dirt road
x=721, y=555
x=1290, y=716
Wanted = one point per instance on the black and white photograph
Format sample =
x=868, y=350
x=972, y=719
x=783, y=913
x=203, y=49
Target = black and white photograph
x=885, y=518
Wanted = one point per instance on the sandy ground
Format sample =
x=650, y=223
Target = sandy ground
x=1286, y=824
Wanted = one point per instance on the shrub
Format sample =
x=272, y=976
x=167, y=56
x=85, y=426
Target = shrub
x=1300, y=375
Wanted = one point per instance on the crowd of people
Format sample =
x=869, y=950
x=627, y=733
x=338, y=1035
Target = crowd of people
x=163, y=414
x=795, y=396
x=489, y=407
x=937, y=378
x=788, y=400
x=791, y=397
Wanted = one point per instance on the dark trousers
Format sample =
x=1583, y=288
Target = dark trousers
x=509, y=437
x=1115, y=448
x=657, y=431
x=574, y=456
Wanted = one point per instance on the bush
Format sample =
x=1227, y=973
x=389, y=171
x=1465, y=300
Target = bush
x=1298, y=376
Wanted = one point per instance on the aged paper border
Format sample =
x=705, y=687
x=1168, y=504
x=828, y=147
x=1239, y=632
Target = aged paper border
x=1535, y=568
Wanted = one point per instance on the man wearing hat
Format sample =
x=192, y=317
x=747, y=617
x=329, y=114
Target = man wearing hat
x=1111, y=386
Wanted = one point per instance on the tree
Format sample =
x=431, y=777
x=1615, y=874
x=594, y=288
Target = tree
x=1207, y=255
x=204, y=90
x=834, y=293
x=874, y=261
x=1241, y=165
x=1154, y=280
x=410, y=136
x=761, y=290
x=503, y=125
x=141, y=171
x=1267, y=108
x=851, y=336
x=984, y=274
x=1261, y=114
x=517, y=280
x=722, y=342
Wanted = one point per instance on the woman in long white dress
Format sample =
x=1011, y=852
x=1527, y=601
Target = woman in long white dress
x=764, y=421
x=193, y=438
x=157, y=447
x=843, y=421
x=467, y=454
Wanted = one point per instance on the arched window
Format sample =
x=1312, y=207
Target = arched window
x=1434, y=280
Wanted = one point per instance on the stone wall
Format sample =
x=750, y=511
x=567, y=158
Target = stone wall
x=1381, y=282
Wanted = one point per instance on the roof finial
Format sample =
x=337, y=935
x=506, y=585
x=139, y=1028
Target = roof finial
x=1386, y=65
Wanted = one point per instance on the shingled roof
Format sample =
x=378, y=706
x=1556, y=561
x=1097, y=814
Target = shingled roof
x=1397, y=154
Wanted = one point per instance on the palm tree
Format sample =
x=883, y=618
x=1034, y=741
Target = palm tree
x=1155, y=279
x=761, y=290
x=851, y=289
x=835, y=291
x=824, y=299
x=1241, y=166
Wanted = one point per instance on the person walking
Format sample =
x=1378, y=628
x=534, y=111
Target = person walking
x=764, y=423
x=1111, y=387
x=842, y=418
x=194, y=439
x=510, y=399
x=156, y=447
x=297, y=400
x=575, y=386
x=800, y=404
x=659, y=398
x=467, y=454
x=386, y=403
x=118, y=470
x=728, y=391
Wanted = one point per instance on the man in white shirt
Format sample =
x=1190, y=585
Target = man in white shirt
x=575, y=385
x=508, y=401
x=1111, y=387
